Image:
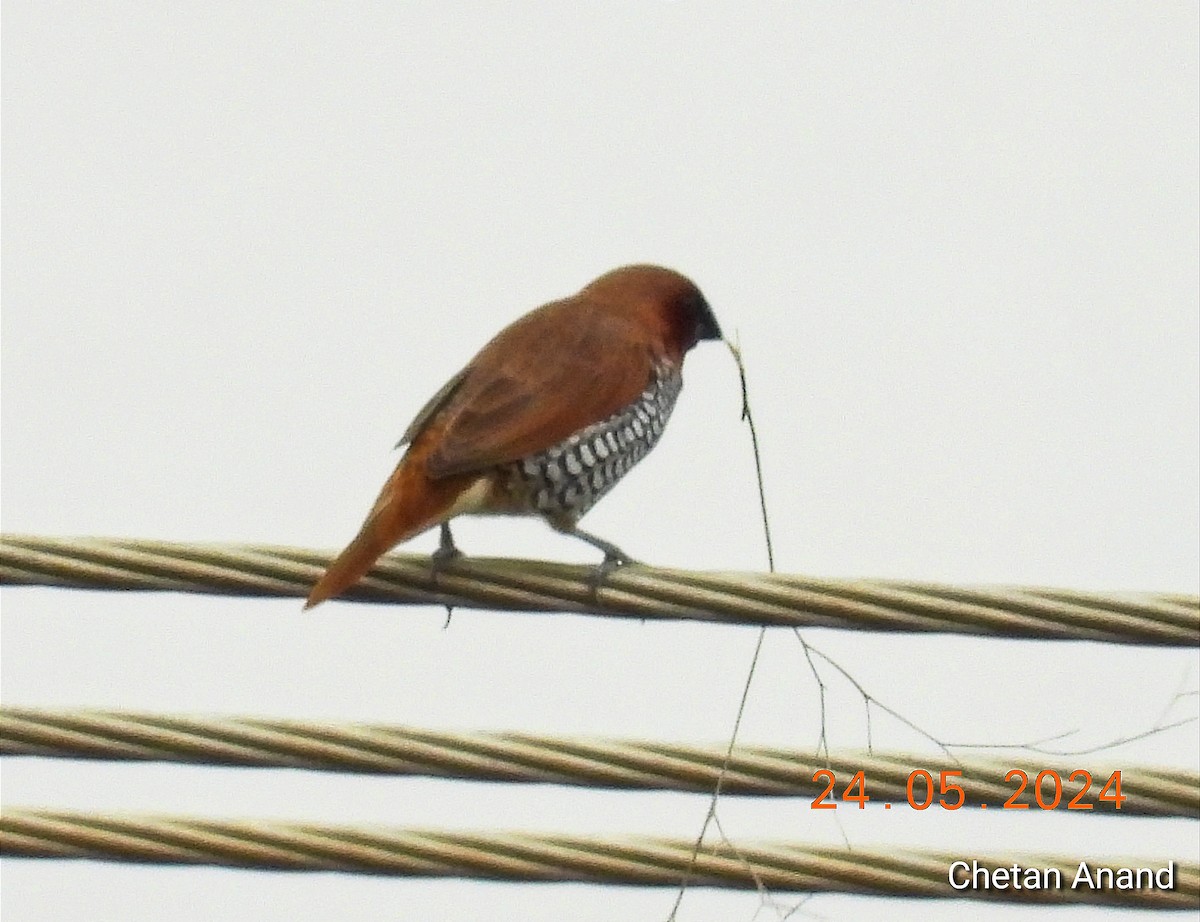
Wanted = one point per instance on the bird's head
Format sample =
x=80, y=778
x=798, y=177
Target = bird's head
x=660, y=298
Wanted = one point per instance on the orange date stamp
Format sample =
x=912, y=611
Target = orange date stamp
x=922, y=791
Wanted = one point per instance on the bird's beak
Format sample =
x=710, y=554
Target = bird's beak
x=708, y=328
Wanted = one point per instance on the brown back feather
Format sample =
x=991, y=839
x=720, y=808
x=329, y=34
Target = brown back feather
x=556, y=370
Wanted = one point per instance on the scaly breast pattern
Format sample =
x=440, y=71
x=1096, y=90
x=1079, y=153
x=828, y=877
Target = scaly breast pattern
x=565, y=481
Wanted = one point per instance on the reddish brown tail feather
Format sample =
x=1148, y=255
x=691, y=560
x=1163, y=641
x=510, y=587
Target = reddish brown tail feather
x=409, y=504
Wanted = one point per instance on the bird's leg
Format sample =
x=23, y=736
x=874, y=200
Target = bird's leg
x=447, y=549
x=446, y=553
x=614, y=557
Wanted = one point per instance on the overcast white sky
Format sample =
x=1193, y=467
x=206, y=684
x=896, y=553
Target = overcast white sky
x=243, y=244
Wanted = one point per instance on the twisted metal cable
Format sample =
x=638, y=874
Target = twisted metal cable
x=526, y=757
x=541, y=857
x=634, y=591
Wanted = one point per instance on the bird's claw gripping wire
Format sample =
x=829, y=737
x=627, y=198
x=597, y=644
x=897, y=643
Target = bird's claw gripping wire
x=446, y=553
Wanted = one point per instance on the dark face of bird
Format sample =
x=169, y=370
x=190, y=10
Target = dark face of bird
x=706, y=325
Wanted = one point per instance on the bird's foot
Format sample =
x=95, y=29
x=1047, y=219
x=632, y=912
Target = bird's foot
x=609, y=565
x=614, y=557
x=447, y=549
x=446, y=553
x=442, y=558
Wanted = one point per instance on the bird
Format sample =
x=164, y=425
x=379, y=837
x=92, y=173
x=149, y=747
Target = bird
x=543, y=421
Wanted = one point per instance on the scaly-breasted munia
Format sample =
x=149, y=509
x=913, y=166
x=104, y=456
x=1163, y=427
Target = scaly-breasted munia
x=544, y=420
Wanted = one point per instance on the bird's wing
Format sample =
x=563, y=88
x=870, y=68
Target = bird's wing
x=553, y=372
x=436, y=402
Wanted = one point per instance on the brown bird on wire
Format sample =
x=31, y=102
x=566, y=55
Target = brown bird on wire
x=543, y=421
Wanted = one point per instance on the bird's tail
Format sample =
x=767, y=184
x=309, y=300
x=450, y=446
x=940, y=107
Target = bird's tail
x=409, y=504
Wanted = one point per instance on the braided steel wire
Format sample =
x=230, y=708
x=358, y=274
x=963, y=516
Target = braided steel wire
x=521, y=856
x=526, y=757
x=633, y=591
